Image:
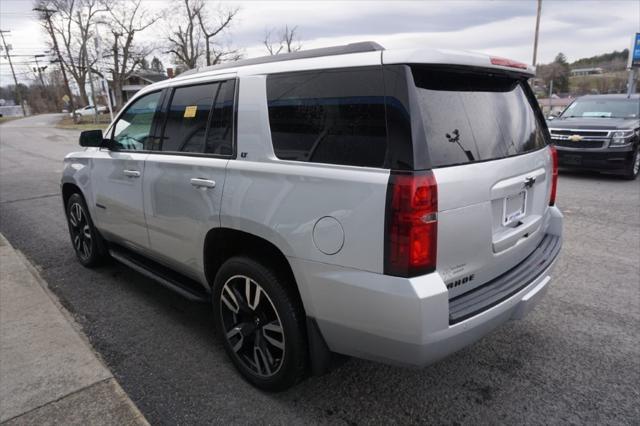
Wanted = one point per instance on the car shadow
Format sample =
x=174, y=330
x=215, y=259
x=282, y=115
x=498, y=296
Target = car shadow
x=162, y=339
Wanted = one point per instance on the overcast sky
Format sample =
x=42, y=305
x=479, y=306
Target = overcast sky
x=578, y=28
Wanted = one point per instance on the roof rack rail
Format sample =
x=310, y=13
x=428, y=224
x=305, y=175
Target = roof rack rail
x=363, y=46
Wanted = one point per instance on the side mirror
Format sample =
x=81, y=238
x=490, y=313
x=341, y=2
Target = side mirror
x=92, y=138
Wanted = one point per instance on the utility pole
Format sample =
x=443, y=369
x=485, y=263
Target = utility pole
x=15, y=80
x=47, y=13
x=88, y=63
x=633, y=65
x=535, y=40
x=550, y=94
x=104, y=84
x=39, y=69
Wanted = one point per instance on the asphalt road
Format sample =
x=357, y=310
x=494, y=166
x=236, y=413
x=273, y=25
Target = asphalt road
x=575, y=359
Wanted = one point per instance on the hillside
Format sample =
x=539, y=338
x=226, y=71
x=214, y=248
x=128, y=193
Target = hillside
x=613, y=61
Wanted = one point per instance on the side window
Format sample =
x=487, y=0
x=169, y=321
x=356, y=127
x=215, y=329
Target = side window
x=220, y=134
x=185, y=128
x=329, y=116
x=133, y=128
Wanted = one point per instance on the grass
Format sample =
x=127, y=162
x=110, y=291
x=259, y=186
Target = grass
x=5, y=119
x=86, y=123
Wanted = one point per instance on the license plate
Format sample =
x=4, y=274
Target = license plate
x=514, y=208
x=572, y=159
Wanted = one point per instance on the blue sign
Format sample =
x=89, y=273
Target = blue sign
x=635, y=59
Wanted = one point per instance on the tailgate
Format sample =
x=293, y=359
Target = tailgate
x=487, y=147
x=491, y=216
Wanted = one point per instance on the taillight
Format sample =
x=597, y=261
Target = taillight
x=504, y=62
x=554, y=174
x=411, y=224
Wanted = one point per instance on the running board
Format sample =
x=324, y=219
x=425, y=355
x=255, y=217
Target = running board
x=184, y=286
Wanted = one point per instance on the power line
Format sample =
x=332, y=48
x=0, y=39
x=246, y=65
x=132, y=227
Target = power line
x=15, y=80
x=47, y=15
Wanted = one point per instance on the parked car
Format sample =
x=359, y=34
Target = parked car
x=389, y=205
x=90, y=110
x=601, y=133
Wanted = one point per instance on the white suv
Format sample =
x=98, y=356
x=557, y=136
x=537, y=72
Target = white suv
x=389, y=205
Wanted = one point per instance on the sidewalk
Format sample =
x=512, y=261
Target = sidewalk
x=48, y=373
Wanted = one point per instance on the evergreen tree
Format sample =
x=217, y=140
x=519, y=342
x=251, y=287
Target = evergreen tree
x=156, y=65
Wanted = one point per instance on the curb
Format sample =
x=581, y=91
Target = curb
x=44, y=386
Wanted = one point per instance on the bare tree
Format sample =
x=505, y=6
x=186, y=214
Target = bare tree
x=291, y=39
x=198, y=34
x=73, y=22
x=216, y=52
x=269, y=43
x=185, y=42
x=286, y=41
x=128, y=18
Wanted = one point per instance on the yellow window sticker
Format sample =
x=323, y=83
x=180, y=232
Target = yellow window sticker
x=190, y=111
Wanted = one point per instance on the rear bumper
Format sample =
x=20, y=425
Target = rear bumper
x=611, y=159
x=407, y=321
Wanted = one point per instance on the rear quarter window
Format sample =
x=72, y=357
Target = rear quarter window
x=329, y=116
x=470, y=117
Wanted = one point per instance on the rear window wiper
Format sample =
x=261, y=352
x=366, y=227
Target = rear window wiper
x=455, y=138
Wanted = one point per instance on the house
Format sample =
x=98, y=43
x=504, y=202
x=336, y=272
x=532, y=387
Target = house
x=554, y=104
x=586, y=71
x=138, y=80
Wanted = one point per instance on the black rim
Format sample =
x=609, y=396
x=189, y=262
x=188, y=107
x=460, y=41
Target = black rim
x=80, y=231
x=252, y=326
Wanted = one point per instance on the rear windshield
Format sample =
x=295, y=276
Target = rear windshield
x=471, y=117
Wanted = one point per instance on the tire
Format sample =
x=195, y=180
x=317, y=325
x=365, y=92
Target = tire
x=633, y=169
x=261, y=324
x=87, y=242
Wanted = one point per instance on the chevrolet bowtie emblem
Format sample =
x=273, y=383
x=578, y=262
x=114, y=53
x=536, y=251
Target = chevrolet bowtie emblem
x=575, y=138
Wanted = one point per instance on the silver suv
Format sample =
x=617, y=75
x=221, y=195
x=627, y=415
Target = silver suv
x=389, y=205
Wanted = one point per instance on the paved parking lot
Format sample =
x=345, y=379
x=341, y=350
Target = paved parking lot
x=575, y=359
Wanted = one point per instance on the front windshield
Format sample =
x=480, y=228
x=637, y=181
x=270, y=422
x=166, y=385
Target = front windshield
x=603, y=108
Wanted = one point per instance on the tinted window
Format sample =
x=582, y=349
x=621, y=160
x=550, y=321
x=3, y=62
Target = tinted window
x=328, y=116
x=133, y=128
x=220, y=133
x=603, y=108
x=400, y=154
x=187, y=118
x=472, y=117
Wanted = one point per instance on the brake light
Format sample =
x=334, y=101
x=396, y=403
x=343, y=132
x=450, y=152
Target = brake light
x=554, y=174
x=504, y=62
x=411, y=228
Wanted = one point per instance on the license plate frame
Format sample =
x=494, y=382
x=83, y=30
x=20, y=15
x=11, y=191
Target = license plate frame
x=514, y=207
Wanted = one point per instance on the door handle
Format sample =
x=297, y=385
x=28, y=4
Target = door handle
x=131, y=173
x=203, y=183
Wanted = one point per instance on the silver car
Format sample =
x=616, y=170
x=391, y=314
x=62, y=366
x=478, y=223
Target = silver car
x=393, y=205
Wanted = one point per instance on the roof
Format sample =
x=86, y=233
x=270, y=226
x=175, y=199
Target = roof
x=555, y=101
x=364, y=46
x=366, y=53
x=586, y=69
x=150, y=76
x=635, y=96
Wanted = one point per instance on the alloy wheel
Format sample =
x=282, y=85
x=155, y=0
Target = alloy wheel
x=636, y=163
x=252, y=326
x=80, y=231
